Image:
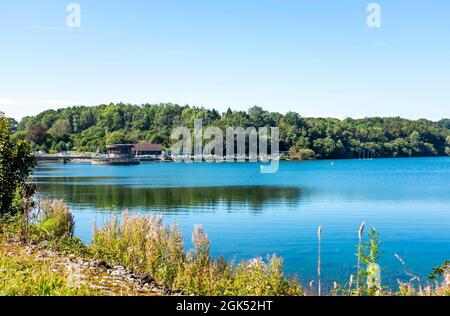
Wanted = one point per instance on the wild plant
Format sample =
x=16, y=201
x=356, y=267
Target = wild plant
x=368, y=281
x=147, y=246
x=55, y=221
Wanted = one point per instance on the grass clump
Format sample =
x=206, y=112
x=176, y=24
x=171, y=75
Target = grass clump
x=55, y=221
x=142, y=244
x=146, y=245
x=264, y=278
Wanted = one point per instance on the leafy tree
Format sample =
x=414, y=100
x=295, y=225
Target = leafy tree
x=37, y=134
x=301, y=153
x=116, y=138
x=324, y=147
x=16, y=163
x=447, y=148
x=61, y=130
x=91, y=139
x=13, y=124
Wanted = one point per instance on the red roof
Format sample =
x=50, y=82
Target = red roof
x=147, y=147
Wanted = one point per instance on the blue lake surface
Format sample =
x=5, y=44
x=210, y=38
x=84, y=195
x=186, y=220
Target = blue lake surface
x=248, y=214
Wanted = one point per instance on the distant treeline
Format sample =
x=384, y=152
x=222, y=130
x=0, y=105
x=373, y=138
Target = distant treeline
x=90, y=129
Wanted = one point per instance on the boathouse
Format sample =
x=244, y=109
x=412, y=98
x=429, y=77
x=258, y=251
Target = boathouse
x=118, y=154
x=146, y=149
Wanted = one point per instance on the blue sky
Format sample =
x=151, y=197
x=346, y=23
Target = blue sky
x=315, y=57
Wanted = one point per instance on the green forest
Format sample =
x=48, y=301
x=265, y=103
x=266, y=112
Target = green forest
x=90, y=129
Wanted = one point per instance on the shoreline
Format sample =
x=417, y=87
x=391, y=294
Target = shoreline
x=146, y=161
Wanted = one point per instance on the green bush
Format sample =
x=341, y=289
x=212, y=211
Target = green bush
x=16, y=163
x=301, y=154
x=447, y=151
x=55, y=221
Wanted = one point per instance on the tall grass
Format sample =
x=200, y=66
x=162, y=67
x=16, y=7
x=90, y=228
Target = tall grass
x=319, y=235
x=147, y=246
x=54, y=220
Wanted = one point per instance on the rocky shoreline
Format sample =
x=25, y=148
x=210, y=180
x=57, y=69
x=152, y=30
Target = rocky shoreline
x=109, y=280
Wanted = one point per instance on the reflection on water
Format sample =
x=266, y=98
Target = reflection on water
x=115, y=197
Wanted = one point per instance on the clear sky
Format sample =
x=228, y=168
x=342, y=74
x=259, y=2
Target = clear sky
x=315, y=57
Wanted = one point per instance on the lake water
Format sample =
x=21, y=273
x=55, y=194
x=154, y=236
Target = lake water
x=248, y=214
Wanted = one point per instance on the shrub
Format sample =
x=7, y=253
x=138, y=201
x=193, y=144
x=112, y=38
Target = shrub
x=301, y=154
x=16, y=163
x=55, y=221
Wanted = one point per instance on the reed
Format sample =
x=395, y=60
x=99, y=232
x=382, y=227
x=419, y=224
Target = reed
x=360, y=235
x=319, y=284
x=311, y=287
x=350, y=284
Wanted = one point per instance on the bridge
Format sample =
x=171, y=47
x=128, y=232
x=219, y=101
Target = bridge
x=64, y=158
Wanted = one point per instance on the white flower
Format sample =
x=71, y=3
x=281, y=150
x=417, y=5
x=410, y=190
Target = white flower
x=254, y=263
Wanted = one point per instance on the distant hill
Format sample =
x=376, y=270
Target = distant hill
x=89, y=129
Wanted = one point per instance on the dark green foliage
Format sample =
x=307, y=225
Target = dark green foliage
x=372, y=253
x=16, y=163
x=439, y=271
x=36, y=134
x=301, y=153
x=90, y=129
